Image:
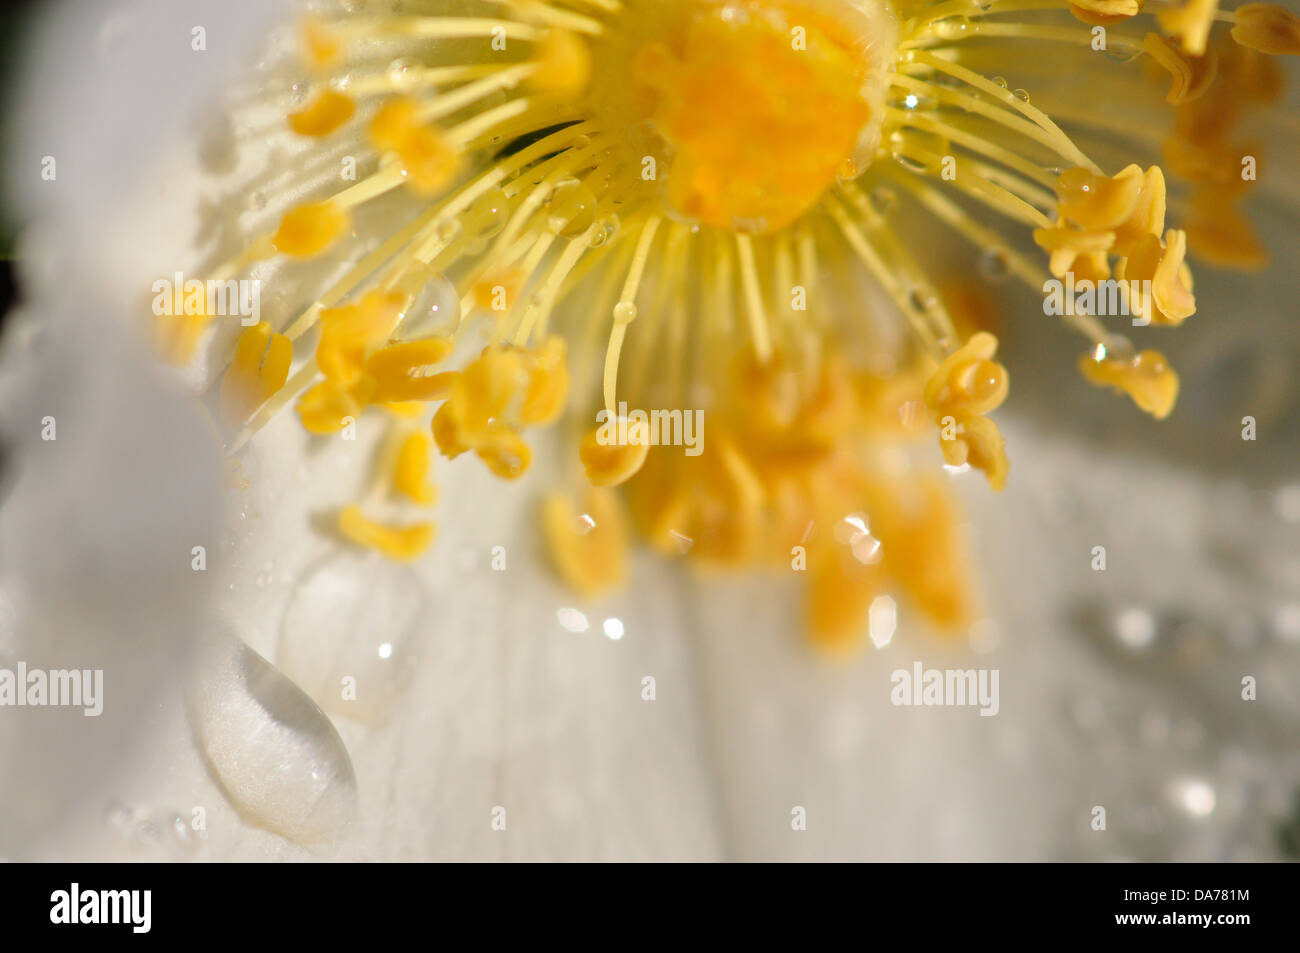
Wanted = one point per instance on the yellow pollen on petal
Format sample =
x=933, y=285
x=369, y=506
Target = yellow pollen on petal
x=563, y=64
x=400, y=543
x=1267, y=28
x=609, y=462
x=588, y=545
x=1147, y=378
x=1189, y=22
x=309, y=229
x=411, y=472
x=327, y=111
x=259, y=369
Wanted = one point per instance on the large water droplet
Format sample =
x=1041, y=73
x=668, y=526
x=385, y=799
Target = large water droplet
x=273, y=752
x=351, y=633
x=571, y=208
x=995, y=264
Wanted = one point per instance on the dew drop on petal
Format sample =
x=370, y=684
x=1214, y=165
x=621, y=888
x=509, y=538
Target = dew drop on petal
x=274, y=753
x=354, y=616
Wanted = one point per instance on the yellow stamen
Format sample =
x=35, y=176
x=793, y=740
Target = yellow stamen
x=326, y=112
x=402, y=543
x=1147, y=378
x=1267, y=28
x=411, y=472
x=588, y=545
x=259, y=369
x=309, y=229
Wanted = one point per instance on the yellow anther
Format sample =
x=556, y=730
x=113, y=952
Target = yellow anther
x=401, y=543
x=405, y=409
x=588, y=544
x=804, y=103
x=1162, y=264
x=1095, y=201
x=309, y=229
x=978, y=442
x=326, y=408
x=609, y=462
x=919, y=531
x=504, y=451
x=393, y=123
x=968, y=381
x=1105, y=12
x=411, y=473
x=563, y=64
x=428, y=159
x=1148, y=217
x=176, y=336
x=351, y=332
x=259, y=369
x=1189, y=76
x=1147, y=378
x=1067, y=245
x=448, y=432
x=328, y=110
x=401, y=371
x=1219, y=233
x=488, y=387
x=1190, y=22
x=1267, y=28
x=320, y=47
x=548, y=384
x=837, y=602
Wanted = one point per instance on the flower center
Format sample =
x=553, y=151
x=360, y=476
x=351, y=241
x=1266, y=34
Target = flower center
x=760, y=104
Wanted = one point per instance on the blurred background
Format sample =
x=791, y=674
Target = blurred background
x=491, y=726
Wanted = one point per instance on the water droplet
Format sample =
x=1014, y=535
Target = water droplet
x=1021, y=95
x=907, y=162
x=922, y=300
x=1116, y=347
x=1000, y=81
x=447, y=229
x=298, y=93
x=951, y=28
x=434, y=310
x=399, y=73
x=606, y=229
x=624, y=312
x=571, y=209
x=1123, y=52
x=884, y=200
x=1135, y=628
x=580, y=142
x=274, y=753
x=995, y=264
x=490, y=213
x=341, y=616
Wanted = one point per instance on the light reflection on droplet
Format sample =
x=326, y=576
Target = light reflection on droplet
x=882, y=621
x=572, y=619
x=1135, y=628
x=1194, y=796
x=613, y=628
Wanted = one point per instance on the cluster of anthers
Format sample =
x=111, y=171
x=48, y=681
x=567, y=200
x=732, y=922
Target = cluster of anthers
x=675, y=201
